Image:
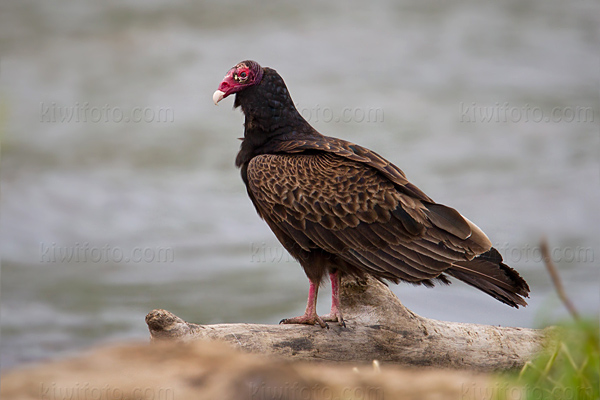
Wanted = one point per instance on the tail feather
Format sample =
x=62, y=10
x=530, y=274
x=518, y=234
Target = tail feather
x=489, y=274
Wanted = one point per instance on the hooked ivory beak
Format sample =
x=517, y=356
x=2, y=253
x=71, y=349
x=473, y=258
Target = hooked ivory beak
x=218, y=96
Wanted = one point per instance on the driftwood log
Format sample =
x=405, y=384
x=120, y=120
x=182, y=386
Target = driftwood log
x=378, y=327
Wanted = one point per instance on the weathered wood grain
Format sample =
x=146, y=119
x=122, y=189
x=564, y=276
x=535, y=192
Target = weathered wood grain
x=378, y=327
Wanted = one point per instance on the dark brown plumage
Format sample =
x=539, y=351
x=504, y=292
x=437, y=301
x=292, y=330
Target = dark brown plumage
x=340, y=208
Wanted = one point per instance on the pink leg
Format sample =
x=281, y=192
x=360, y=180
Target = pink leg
x=336, y=313
x=310, y=316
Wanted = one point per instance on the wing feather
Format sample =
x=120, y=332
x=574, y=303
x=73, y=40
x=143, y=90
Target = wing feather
x=348, y=209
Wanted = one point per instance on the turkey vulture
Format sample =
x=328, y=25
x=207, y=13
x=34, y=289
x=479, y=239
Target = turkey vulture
x=340, y=208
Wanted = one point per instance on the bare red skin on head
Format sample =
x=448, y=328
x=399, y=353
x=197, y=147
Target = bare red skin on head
x=229, y=83
x=240, y=77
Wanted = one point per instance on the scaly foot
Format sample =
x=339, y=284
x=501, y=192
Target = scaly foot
x=310, y=316
x=334, y=317
x=307, y=319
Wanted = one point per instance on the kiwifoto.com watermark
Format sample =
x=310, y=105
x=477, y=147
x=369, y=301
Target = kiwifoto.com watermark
x=524, y=253
x=85, y=391
x=559, y=254
x=296, y=390
x=263, y=253
x=500, y=390
x=319, y=113
x=85, y=252
x=88, y=113
x=511, y=113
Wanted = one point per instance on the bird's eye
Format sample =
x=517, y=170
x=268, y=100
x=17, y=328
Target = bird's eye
x=243, y=75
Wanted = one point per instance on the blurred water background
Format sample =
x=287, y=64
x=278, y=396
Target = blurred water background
x=119, y=193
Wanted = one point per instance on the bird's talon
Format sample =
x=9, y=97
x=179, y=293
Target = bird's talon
x=305, y=320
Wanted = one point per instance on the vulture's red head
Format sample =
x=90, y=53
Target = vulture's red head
x=243, y=75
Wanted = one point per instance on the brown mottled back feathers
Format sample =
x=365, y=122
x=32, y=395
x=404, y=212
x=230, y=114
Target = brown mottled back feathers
x=353, y=152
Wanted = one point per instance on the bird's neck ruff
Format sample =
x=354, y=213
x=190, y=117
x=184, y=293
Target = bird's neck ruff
x=270, y=115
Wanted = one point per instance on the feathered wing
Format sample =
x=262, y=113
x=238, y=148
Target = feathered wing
x=337, y=197
x=489, y=274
